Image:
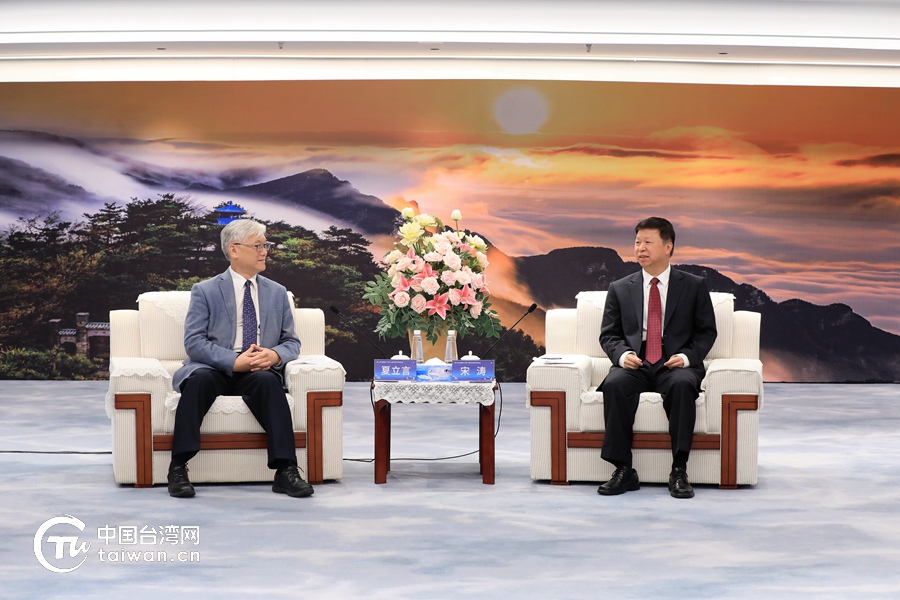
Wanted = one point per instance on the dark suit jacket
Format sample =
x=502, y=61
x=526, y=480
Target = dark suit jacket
x=689, y=325
x=211, y=325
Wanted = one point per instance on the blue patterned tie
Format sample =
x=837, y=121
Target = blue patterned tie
x=249, y=319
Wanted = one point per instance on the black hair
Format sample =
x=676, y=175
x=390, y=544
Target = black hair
x=666, y=231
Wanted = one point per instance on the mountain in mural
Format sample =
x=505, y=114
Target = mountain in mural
x=106, y=171
x=26, y=190
x=800, y=341
x=811, y=342
x=320, y=190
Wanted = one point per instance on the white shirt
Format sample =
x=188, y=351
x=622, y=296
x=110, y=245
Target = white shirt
x=663, y=286
x=239, y=281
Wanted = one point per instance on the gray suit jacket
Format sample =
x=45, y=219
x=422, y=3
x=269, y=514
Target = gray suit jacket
x=689, y=325
x=211, y=325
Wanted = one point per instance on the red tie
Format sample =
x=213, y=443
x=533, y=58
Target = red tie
x=654, y=324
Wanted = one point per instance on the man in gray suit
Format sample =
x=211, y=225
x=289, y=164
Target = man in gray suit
x=238, y=335
x=658, y=326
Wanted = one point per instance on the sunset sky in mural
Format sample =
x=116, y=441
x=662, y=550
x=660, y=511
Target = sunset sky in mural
x=794, y=190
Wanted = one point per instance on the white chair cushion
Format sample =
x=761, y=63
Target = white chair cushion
x=228, y=414
x=650, y=418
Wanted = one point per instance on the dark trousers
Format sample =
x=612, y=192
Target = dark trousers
x=622, y=389
x=262, y=391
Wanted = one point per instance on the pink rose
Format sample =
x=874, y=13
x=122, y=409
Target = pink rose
x=454, y=296
x=464, y=276
x=452, y=260
x=449, y=278
x=477, y=281
x=442, y=245
x=418, y=303
x=475, y=310
x=430, y=285
x=401, y=299
x=404, y=264
x=482, y=259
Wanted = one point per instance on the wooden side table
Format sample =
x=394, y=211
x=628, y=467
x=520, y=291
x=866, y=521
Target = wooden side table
x=389, y=393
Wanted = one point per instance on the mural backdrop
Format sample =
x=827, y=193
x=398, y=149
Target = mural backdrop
x=789, y=197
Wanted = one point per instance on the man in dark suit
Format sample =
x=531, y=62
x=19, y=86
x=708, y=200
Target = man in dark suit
x=658, y=326
x=238, y=335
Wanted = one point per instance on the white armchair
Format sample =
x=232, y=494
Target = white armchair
x=146, y=347
x=567, y=413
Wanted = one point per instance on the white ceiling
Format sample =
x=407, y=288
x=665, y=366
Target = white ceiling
x=799, y=42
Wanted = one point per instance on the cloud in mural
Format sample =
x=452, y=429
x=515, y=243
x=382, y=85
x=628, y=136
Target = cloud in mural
x=521, y=110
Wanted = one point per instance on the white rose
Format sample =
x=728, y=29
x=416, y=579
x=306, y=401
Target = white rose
x=456, y=215
x=476, y=242
x=408, y=213
x=426, y=220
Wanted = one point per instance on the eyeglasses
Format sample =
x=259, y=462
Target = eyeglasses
x=267, y=246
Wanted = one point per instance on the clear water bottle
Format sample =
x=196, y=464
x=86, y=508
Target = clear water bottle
x=450, y=353
x=418, y=353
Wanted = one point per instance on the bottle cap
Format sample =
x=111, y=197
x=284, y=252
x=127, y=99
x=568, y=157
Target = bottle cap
x=417, y=332
x=470, y=356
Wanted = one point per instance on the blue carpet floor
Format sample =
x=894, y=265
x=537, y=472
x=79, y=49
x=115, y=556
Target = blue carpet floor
x=824, y=521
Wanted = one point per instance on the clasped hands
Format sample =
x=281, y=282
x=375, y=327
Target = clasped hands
x=632, y=361
x=256, y=358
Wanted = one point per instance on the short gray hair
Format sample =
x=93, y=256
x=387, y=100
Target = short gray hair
x=238, y=231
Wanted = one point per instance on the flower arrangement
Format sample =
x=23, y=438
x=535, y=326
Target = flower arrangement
x=434, y=282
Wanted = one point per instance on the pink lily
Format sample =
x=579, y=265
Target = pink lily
x=402, y=284
x=426, y=271
x=467, y=296
x=438, y=306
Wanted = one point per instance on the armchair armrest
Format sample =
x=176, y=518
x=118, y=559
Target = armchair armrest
x=732, y=376
x=133, y=375
x=316, y=383
x=572, y=374
x=311, y=373
x=132, y=381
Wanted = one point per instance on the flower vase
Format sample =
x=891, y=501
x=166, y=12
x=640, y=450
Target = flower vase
x=430, y=350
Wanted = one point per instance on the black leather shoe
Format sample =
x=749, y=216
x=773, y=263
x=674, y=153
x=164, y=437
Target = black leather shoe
x=624, y=479
x=679, y=486
x=179, y=484
x=288, y=481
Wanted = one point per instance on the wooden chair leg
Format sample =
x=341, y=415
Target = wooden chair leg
x=140, y=404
